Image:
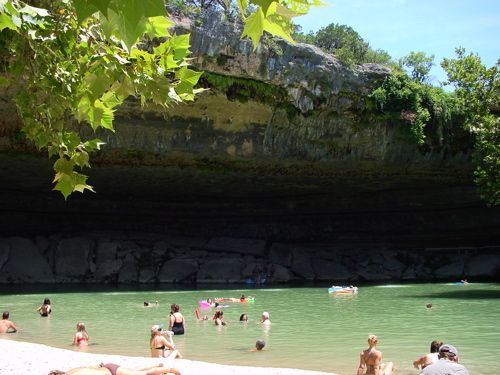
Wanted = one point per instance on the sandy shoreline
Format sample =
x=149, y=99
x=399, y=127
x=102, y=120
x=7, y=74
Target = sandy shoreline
x=19, y=358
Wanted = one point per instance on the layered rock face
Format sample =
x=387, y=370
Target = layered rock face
x=132, y=259
x=280, y=171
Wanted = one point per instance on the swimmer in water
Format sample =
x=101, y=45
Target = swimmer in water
x=259, y=345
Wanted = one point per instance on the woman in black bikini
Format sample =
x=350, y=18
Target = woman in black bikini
x=45, y=309
x=113, y=369
x=176, y=320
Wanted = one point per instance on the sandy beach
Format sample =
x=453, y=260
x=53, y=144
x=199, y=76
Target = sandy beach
x=19, y=358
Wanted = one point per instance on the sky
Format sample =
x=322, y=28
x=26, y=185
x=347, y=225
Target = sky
x=432, y=26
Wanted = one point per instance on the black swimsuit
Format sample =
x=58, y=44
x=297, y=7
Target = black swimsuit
x=178, y=328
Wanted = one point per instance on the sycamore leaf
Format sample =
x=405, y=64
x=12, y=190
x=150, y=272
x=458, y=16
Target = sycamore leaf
x=64, y=184
x=83, y=10
x=111, y=100
x=101, y=5
x=276, y=29
x=152, y=8
x=71, y=140
x=254, y=27
x=6, y=22
x=103, y=116
x=158, y=26
x=266, y=5
x=187, y=76
x=81, y=159
x=64, y=165
x=93, y=144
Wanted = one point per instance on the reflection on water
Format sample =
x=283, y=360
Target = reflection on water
x=310, y=328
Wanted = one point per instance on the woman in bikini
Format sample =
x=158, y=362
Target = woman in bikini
x=113, y=369
x=160, y=346
x=370, y=360
x=176, y=320
x=45, y=309
x=81, y=335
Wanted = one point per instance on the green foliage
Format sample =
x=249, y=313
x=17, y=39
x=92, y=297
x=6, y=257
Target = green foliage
x=414, y=103
x=76, y=61
x=418, y=64
x=477, y=89
x=345, y=43
x=271, y=16
x=243, y=89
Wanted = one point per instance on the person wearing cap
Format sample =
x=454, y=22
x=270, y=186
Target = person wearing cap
x=265, y=319
x=447, y=364
x=428, y=359
x=160, y=346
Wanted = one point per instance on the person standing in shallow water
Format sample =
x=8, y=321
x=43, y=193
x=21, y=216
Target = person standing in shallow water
x=46, y=308
x=176, y=324
x=370, y=360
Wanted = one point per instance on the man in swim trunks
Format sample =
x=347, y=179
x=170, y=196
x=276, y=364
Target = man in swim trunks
x=447, y=364
x=6, y=326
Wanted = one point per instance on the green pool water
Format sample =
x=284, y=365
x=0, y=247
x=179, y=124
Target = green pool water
x=310, y=328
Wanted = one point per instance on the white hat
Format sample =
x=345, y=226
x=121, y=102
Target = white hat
x=265, y=314
x=156, y=328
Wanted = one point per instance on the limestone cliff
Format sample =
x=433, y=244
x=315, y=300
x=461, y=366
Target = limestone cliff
x=283, y=154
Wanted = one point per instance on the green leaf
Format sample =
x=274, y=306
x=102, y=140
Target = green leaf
x=265, y=5
x=64, y=184
x=275, y=29
x=152, y=8
x=188, y=76
x=63, y=165
x=6, y=22
x=93, y=144
x=158, y=26
x=81, y=159
x=101, y=5
x=111, y=100
x=103, y=116
x=254, y=27
x=83, y=10
x=71, y=140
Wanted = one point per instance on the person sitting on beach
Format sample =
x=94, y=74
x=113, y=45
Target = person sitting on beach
x=81, y=335
x=160, y=346
x=259, y=345
x=370, y=360
x=6, y=326
x=45, y=309
x=219, y=318
x=430, y=358
x=113, y=369
x=447, y=364
x=265, y=319
x=243, y=318
x=177, y=324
